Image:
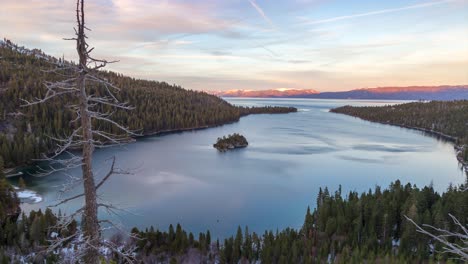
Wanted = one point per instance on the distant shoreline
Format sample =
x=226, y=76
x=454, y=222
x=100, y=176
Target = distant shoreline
x=439, y=93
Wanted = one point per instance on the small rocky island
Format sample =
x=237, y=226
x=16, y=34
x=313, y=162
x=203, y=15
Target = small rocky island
x=231, y=142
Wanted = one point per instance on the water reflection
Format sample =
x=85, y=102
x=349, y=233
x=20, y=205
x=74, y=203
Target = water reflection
x=268, y=185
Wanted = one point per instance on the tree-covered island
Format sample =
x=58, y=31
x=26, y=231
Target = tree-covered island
x=26, y=132
x=231, y=142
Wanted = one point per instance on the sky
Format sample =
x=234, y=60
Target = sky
x=207, y=45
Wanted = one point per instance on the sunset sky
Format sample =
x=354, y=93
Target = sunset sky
x=259, y=44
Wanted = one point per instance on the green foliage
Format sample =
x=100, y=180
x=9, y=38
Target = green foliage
x=170, y=244
x=231, y=142
x=31, y=233
x=159, y=107
x=358, y=228
x=9, y=205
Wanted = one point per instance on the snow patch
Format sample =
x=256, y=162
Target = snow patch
x=284, y=89
x=29, y=196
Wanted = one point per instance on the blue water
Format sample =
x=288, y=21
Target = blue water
x=268, y=185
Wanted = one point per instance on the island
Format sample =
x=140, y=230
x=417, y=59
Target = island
x=231, y=142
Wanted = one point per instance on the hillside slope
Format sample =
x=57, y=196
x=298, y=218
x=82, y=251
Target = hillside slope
x=159, y=106
x=272, y=93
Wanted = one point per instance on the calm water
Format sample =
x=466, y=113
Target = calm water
x=182, y=178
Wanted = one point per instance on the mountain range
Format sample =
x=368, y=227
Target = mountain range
x=444, y=92
x=271, y=93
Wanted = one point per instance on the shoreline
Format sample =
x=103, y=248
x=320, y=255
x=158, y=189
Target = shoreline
x=10, y=172
x=432, y=133
x=148, y=134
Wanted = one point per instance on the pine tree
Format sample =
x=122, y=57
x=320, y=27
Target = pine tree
x=208, y=240
x=237, y=247
x=247, y=246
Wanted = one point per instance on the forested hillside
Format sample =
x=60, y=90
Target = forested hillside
x=344, y=228
x=25, y=131
x=9, y=202
x=359, y=228
x=448, y=118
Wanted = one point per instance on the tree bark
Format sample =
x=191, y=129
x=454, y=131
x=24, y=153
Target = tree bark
x=90, y=216
x=90, y=219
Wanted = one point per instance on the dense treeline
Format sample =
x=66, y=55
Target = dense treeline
x=27, y=235
x=448, y=118
x=31, y=236
x=354, y=228
x=231, y=142
x=9, y=202
x=25, y=131
x=175, y=245
x=357, y=228
x=373, y=224
x=266, y=110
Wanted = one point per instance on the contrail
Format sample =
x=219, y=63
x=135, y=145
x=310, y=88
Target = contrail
x=260, y=11
x=377, y=12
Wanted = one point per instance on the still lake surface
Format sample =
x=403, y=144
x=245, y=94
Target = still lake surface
x=181, y=178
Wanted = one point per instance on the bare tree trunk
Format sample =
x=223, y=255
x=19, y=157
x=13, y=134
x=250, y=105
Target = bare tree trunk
x=90, y=217
x=86, y=104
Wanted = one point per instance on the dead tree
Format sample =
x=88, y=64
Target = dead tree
x=78, y=78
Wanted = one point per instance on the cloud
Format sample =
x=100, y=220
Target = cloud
x=373, y=13
x=220, y=53
x=147, y=20
x=215, y=82
x=213, y=45
x=162, y=43
x=121, y=20
x=260, y=11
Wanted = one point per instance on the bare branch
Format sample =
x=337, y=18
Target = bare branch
x=449, y=247
x=67, y=200
x=111, y=171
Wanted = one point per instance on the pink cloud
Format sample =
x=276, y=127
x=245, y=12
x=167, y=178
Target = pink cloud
x=138, y=20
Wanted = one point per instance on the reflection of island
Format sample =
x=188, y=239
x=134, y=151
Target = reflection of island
x=231, y=142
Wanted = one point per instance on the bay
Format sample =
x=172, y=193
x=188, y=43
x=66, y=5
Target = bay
x=181, y=178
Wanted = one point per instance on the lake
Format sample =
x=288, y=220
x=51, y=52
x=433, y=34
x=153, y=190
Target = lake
x=181, y=178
